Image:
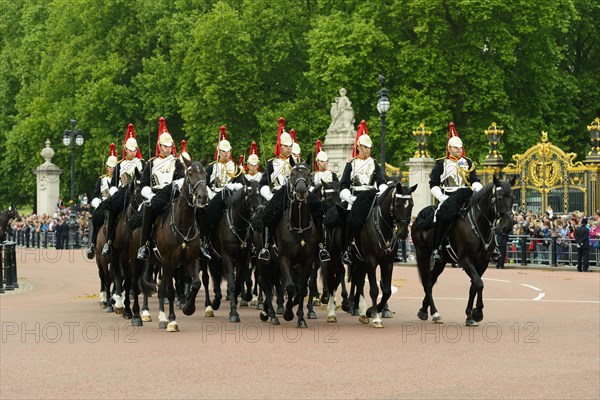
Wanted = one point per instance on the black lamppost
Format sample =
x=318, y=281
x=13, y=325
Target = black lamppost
x=383, y=106
x=71, y=138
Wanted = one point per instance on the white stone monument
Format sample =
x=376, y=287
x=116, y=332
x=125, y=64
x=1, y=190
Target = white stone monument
x=419, y=171
x=340, y=134
x=47, y=182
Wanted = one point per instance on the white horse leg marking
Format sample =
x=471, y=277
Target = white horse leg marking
x=208, y=312
x=162, y=317
x=331, y=317
x=102, y=297
x=362, y=308
x=118, y=301
x=146, y=317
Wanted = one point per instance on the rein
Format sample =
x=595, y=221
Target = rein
x=292, y=197
x=233, y=229
x=387, y=245
x=193, y=231
x=489, y=223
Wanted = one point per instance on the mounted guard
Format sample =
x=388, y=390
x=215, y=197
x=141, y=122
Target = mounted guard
x=130, y=163
x=453, y=181
x=101, y=193
x=361, y=174
x=253, y=172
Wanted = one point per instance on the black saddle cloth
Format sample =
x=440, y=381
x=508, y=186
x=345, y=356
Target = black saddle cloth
x=272, y=212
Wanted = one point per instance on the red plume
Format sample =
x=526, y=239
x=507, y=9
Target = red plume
x=253, y=150
x=317, y=150
x=293, y=135
x=184, y=146
x=130, y=134
x=162, y=128
x=241, y=162
x=451, y=133
x=279, y=131
x=222, y=136
x=113, y=150
x=362, y=129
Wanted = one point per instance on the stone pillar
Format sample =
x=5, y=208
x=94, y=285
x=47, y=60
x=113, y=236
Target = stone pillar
x=47, y=182
x=419, y=170
x=340, y=134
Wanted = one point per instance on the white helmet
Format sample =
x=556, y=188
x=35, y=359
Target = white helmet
x=285, y=139
x=253, y=159
x=166, y=139
x=111, y=162
x=296, y=148
x=322, y=156
x=365, y=140
x=131, y=144
x=455, y=141
x=224, y=145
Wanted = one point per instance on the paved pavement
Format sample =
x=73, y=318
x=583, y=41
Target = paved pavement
x=539, y=339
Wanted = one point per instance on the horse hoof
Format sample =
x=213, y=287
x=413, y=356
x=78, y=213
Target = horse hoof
x=127, y=315
x=103, y=304
x=437, y=318
x=355, y=312
x=471, y=322
x=243, y=303
x=254, y=303
x=136, y=322
x=234, y=318
x=172, y=327
x=477, y=315
x=302, y=324
x=288, y=315
x=422, y=315
x=311, y=315
x=387, y=314
x=162, y=324
x=363, y=319
x=316, y=302
x=146, y=317
x=189, y=310
x=209, y=313
x=324, y=299
x=108, y=308
x=260, y=306
x=119, y=311
x=263, y=316
x=280, y=311
x=216, y=303
x=275, y=321
x=332, y=319
x=377, y=324
x=346, y=305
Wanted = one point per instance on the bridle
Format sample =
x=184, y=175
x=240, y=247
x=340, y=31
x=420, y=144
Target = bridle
x=387, y=245
x=489, y=223
x=292, y=193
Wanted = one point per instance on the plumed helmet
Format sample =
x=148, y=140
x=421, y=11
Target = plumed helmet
x=285, y=139
x=296, y=148
x=365, y=140
x=224, y=145
x=322, y=156
x=455, y=142
x=131, y=144
x=111, y=162
x=166, y=139
x=253, y=159
x=184, y=153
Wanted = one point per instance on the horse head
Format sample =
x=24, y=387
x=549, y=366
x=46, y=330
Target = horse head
x=502, y=201
x=298, y=181
x=330, y=193
x=13, y=213
x=401, y=207
x=252, y=194
x=195, y=190
x=135, y=190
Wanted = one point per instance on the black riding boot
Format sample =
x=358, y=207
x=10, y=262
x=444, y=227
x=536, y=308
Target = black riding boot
x=91, y=251
x=440, y=230
x=203, y=252
x=147, y=221
x=264, y=253
x=111, y=221
x=323, y=253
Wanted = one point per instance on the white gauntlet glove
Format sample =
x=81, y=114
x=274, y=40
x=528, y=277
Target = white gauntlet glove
x=234, y=186
x=476, y=186
x=96, y=202
x=147, y=193
x=178, y=183
x=211, y=194
x=382, y=188
x=265, y=191
x=113, y=190
x=436, y=191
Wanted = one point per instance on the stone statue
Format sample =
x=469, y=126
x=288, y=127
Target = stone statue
x=342, y=114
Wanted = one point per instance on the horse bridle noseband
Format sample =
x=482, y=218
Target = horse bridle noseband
x=497, y=217
x=388, y=245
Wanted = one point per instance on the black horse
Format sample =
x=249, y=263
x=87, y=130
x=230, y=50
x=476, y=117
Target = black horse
x=471, y=241
x=230, y=243
x=5, y=217
x=296, y=237
x=177, y=238
x=377, y=244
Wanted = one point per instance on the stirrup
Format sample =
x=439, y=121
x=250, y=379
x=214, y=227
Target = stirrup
x=204, y=254
x=264, y=254
x=347, y=258
x=324, y=255
x=106, y=249
x=437, y=257
x=143, y=253
x=90, y=252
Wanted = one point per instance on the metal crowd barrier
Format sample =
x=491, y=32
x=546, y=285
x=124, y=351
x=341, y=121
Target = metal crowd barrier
x=8, y=267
